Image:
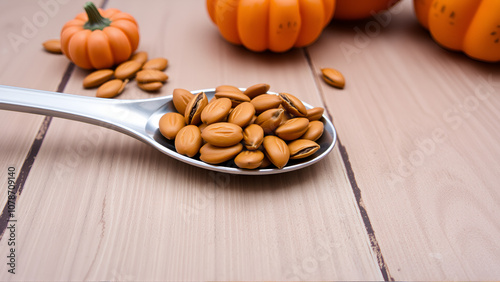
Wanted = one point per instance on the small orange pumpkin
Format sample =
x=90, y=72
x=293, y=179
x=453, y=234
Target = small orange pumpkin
x=277, y=25
x=98, y=39
x=360, y=9
x=471, y=26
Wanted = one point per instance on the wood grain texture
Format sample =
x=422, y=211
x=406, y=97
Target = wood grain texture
x=421, y=127
x=24, y=25
x=99, y=205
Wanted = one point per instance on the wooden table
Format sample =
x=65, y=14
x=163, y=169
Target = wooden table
x=410, y=192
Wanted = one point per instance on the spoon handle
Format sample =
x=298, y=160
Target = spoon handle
x=114, y=114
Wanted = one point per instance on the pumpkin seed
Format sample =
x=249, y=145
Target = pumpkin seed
x=222, y=134
x=292, y=129
x=188, y=141
x=170, y=124
x=215, y=155
x=216, y=111
x=270, y=120
x=140, y=57
x=145, y=76
x=293, y=105
x=227, y=88
x=156, y=64
x=276, y=150
x=265, y=102
x=253, y=135
x=315, y=113
x=111, y=88
x=181, y=98
x=127, y=69
x=235, y=97
x=256, y=90
x=97, y=78
x=52, y=46
x=242, y=115
x=193, y=111
x=314, y=130
x=249, y=159
x=302, y=148
x=333, y=77
x=150, y=86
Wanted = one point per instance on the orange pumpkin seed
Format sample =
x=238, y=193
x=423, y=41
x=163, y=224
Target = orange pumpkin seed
x=256, y=90
x=127, y=69
x=302, y=148
x=111, y=88
x=140, y=57
x=170, y=124
x=181, y=97
x=227, y=88
x=97, y=78
x=150, y=86
x=145, y=76
x=276, y=150
x=156, y=64
x=249, y=159
x=188, y=140
x=333, y=77
x=52, y=46
x=215, y=155
x=315, y=113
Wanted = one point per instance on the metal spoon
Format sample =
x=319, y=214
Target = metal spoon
x=139, y=119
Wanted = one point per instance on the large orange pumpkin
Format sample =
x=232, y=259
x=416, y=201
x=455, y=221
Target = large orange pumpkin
x=471, y=26
x=277, y=25
x=97, y=39
x=360, y=9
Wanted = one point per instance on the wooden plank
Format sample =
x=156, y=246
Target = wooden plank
x=24, y=26
x=103, y=206
x=420, y=127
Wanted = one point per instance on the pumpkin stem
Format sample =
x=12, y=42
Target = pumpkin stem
x=96, y=20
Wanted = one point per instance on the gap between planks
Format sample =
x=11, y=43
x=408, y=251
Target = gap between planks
x=30, y=157
x=33, y=151
x=384, y=268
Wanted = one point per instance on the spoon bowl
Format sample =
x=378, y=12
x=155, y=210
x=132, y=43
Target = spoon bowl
x=140, y=119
